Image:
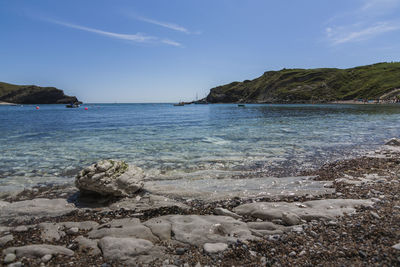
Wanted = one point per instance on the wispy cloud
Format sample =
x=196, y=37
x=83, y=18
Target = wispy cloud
x=379, y=6
x=341, y=35
x=138, y=37
x=366, y=21
x=167, y=25
x=171, y=42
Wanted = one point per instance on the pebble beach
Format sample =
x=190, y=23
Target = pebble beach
x=356, y=223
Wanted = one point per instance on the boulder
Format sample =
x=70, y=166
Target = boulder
x=110, y=177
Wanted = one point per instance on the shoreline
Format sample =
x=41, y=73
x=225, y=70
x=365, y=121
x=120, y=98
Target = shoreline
x=365, y=237
x=2, y=103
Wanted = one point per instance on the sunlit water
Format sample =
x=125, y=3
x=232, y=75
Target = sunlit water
x=51, y=144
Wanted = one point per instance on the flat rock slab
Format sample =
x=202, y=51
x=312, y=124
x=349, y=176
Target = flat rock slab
x=309, y=210
x=199, y=229
x=37, y=208
x=129, y=250
x=147, y=202
x=38, y=251
x=222, y=189
x=129, y=227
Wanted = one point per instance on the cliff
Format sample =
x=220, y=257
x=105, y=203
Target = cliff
x=32, y=94
x=313, y=85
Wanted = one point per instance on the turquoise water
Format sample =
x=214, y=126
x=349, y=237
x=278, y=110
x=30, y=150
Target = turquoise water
x=51, y=144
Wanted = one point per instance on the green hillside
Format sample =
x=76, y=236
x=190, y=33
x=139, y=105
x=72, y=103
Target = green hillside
x=32, y=94
x=313, y=85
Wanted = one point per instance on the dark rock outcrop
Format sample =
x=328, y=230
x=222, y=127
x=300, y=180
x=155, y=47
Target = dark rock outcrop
x=32, y=94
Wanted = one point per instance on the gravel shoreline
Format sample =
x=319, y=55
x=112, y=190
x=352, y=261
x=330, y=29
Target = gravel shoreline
x=365, y=238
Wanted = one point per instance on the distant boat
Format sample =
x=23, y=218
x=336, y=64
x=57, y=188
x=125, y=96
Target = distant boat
x=179, y=104
x=74, y=105
x=241, y=105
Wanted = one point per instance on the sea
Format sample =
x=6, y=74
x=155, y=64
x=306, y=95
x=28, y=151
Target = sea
x=49, y=145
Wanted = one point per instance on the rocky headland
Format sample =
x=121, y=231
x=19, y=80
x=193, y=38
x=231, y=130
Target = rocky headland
x=112, y=217
x=377, y=83
x=32, y=94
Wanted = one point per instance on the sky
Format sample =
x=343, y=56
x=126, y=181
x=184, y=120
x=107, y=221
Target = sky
x=176, y=50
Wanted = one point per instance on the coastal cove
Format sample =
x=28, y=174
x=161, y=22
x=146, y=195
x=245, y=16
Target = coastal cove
x=221, y=141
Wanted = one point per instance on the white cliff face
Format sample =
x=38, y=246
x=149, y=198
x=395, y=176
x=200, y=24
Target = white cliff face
x=109, y=177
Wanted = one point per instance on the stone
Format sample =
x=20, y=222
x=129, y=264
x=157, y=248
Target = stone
x=180, y=251
x=84, y=225
x=46, y=258
x=225, y=212
x=128, y=227
x=326, y=209
x=38, y=251
x=88, y=245
x=393, y=142
x=5, y=239
x=15, y=264
x=214, y=247
x=375, y=215
x=21, y=228
x=200, y=229
x=290, y=219
x=397, y=246
x=292, y=254
x=51, y=232
x=110, y=177
x=73, y=230
x=21, y=211
x=10, y=257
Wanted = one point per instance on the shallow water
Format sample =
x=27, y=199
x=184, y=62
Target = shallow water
x=51, y=144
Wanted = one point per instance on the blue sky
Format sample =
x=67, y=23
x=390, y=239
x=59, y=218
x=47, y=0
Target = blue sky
x=166, y=51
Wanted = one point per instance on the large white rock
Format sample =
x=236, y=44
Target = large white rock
x=309, y=210
x=110, y=177
x=38, y=251
x=199, y=229
x=35, y=208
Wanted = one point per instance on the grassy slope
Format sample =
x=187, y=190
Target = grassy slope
x=319, y=85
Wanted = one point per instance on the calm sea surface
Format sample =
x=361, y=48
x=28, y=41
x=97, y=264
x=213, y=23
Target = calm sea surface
x=51, y=144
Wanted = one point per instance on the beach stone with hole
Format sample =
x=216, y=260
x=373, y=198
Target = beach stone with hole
x=110, y=177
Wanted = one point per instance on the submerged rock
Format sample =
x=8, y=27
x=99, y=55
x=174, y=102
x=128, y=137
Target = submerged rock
x=110, y=177
x=393, y=142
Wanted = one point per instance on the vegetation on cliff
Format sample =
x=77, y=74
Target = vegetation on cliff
x=32, y=94
x=381, y=80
